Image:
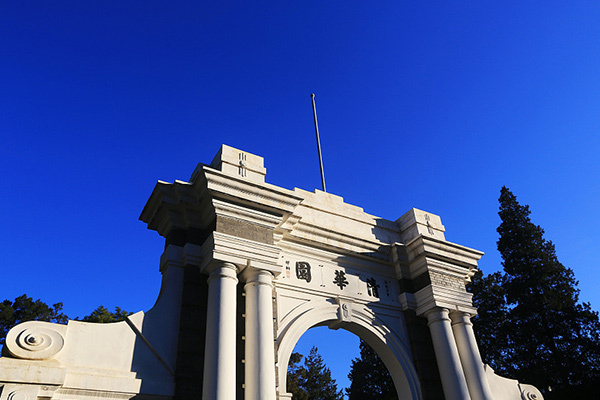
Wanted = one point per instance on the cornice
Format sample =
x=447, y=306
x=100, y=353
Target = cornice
x=261, y=196
x=194, y=204
x=336, y=241
x=352, y=260
x=442, y=250
x=175, y=205
x=220, y=247
x=435, y=296
x=246, y=214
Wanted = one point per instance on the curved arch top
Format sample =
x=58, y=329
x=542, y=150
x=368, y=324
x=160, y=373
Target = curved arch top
x=386, y=338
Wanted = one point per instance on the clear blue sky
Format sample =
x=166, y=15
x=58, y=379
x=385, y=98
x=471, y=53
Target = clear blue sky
x=428, y=104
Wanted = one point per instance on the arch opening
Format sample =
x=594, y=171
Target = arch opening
x=337, y=348
x=384, y=339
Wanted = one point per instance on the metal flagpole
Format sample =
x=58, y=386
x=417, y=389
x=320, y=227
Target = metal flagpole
x=312, y=96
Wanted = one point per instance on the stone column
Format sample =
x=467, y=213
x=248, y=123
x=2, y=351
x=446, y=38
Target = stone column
x=479, y=388
x=220, y=358
x=260, y=347
x=446, y=354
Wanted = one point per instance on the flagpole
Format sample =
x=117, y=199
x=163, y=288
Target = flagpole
x=312, y=96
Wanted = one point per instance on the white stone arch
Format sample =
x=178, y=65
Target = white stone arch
x=230, y=235
x=364, y=323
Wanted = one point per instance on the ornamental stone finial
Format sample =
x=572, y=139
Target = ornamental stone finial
x=418, y=222
x=237, y=163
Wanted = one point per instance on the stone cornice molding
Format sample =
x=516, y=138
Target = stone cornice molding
x=354, y=260
x=337, y=241
x=436, y=271
x=441, y=297
x=269, y=202
x=426, y=253
x=262, y=196
x=174, y=205
x=220, y=247
x=334, y=205
x=323, y=220
x=443, y=250
x=250, y=215
x=184, y=205
x=294, y=216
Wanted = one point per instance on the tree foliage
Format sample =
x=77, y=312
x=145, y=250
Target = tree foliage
x=103, y=316
x=369, y=377
x=492, y=322
x=531, y=326
x=312, y=379
x=23, y=309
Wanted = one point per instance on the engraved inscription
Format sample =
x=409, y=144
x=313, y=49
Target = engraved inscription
x=340, y=279
x=242, y=167
x=372, y=287
x=303, y=271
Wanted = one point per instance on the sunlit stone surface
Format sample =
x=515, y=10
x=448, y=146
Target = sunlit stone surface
x=248, y=267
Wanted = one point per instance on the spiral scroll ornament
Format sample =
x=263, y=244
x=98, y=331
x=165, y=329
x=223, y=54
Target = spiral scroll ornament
x=35, y=340
x=530, y=396
x=18, y=395
x=529, y=392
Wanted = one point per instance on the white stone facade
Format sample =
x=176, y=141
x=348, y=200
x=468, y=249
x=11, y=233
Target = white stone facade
x=248, y=268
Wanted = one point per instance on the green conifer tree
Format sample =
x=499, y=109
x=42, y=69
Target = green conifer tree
x=492, y=323
x=103, y=316
x=531, y=325
x=312, y=380
x=294, y=375
x=23, y=309
x=369, y=377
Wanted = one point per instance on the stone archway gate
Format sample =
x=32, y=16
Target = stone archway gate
x=248, y=267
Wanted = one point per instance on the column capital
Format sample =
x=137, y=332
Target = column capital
x=437, y=314
x=460, y=318
x=256, y=276
x=222, y=270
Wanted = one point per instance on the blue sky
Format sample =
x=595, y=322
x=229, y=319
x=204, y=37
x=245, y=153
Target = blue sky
x=429, y=104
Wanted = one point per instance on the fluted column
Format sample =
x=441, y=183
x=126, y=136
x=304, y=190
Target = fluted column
x=260, y=346
x=479, y=388
x=446, y=354
x=220, y=358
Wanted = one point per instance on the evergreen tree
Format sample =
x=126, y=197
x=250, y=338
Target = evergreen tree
x=492, y=322
x=531, y=326
x=103, y=316
x=24, y=309
x=369, y=377
x=294, y=375
x=311, y=381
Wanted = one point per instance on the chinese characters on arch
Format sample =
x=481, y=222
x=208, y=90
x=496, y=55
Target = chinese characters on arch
x=336, y=278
